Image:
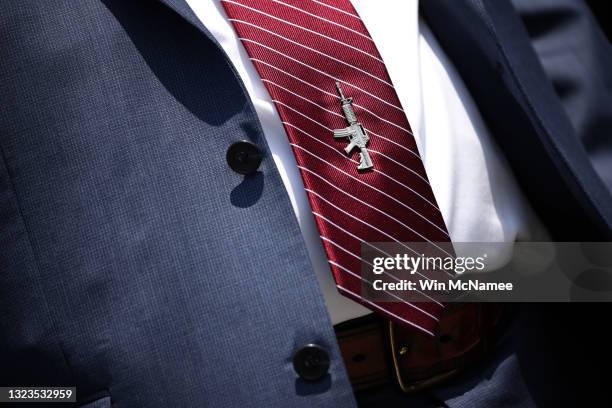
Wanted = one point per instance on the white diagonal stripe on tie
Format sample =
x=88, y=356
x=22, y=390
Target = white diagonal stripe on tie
x=340, y=247
x=387, y=292
x=374, y=305
x=316, y=51
x=321, y=72
x=303, y=28
x=374, y=170
x=372, y=187
x=371, y=206
x=367, y=37
x=337, y=9
x=354, y=104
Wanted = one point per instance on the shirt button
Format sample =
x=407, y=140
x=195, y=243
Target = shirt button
x=311, y=362
x=244, y=157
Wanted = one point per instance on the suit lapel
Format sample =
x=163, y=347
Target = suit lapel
x=492, y=51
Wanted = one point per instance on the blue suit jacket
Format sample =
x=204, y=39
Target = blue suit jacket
x=136, y=265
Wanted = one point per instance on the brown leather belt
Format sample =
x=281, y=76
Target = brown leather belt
x=376, y=351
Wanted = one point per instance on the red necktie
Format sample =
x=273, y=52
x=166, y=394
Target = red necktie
x=300, y=49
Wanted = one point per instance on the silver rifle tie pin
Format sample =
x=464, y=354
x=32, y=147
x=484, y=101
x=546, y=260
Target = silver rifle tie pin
x=355, y=132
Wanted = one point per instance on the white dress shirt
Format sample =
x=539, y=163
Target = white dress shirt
x=474, y=186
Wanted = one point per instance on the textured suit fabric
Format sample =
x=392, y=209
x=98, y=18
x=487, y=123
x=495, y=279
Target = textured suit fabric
x=137, y=266
x=133, y=259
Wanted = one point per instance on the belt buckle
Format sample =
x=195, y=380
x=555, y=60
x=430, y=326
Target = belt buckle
x=414, y=386
x=486, y=319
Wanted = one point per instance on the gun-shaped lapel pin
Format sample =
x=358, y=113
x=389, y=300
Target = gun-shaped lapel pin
x=355, y=132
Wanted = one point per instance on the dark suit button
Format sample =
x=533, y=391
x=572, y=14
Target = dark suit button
x=244, y=157
x=311, y=362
